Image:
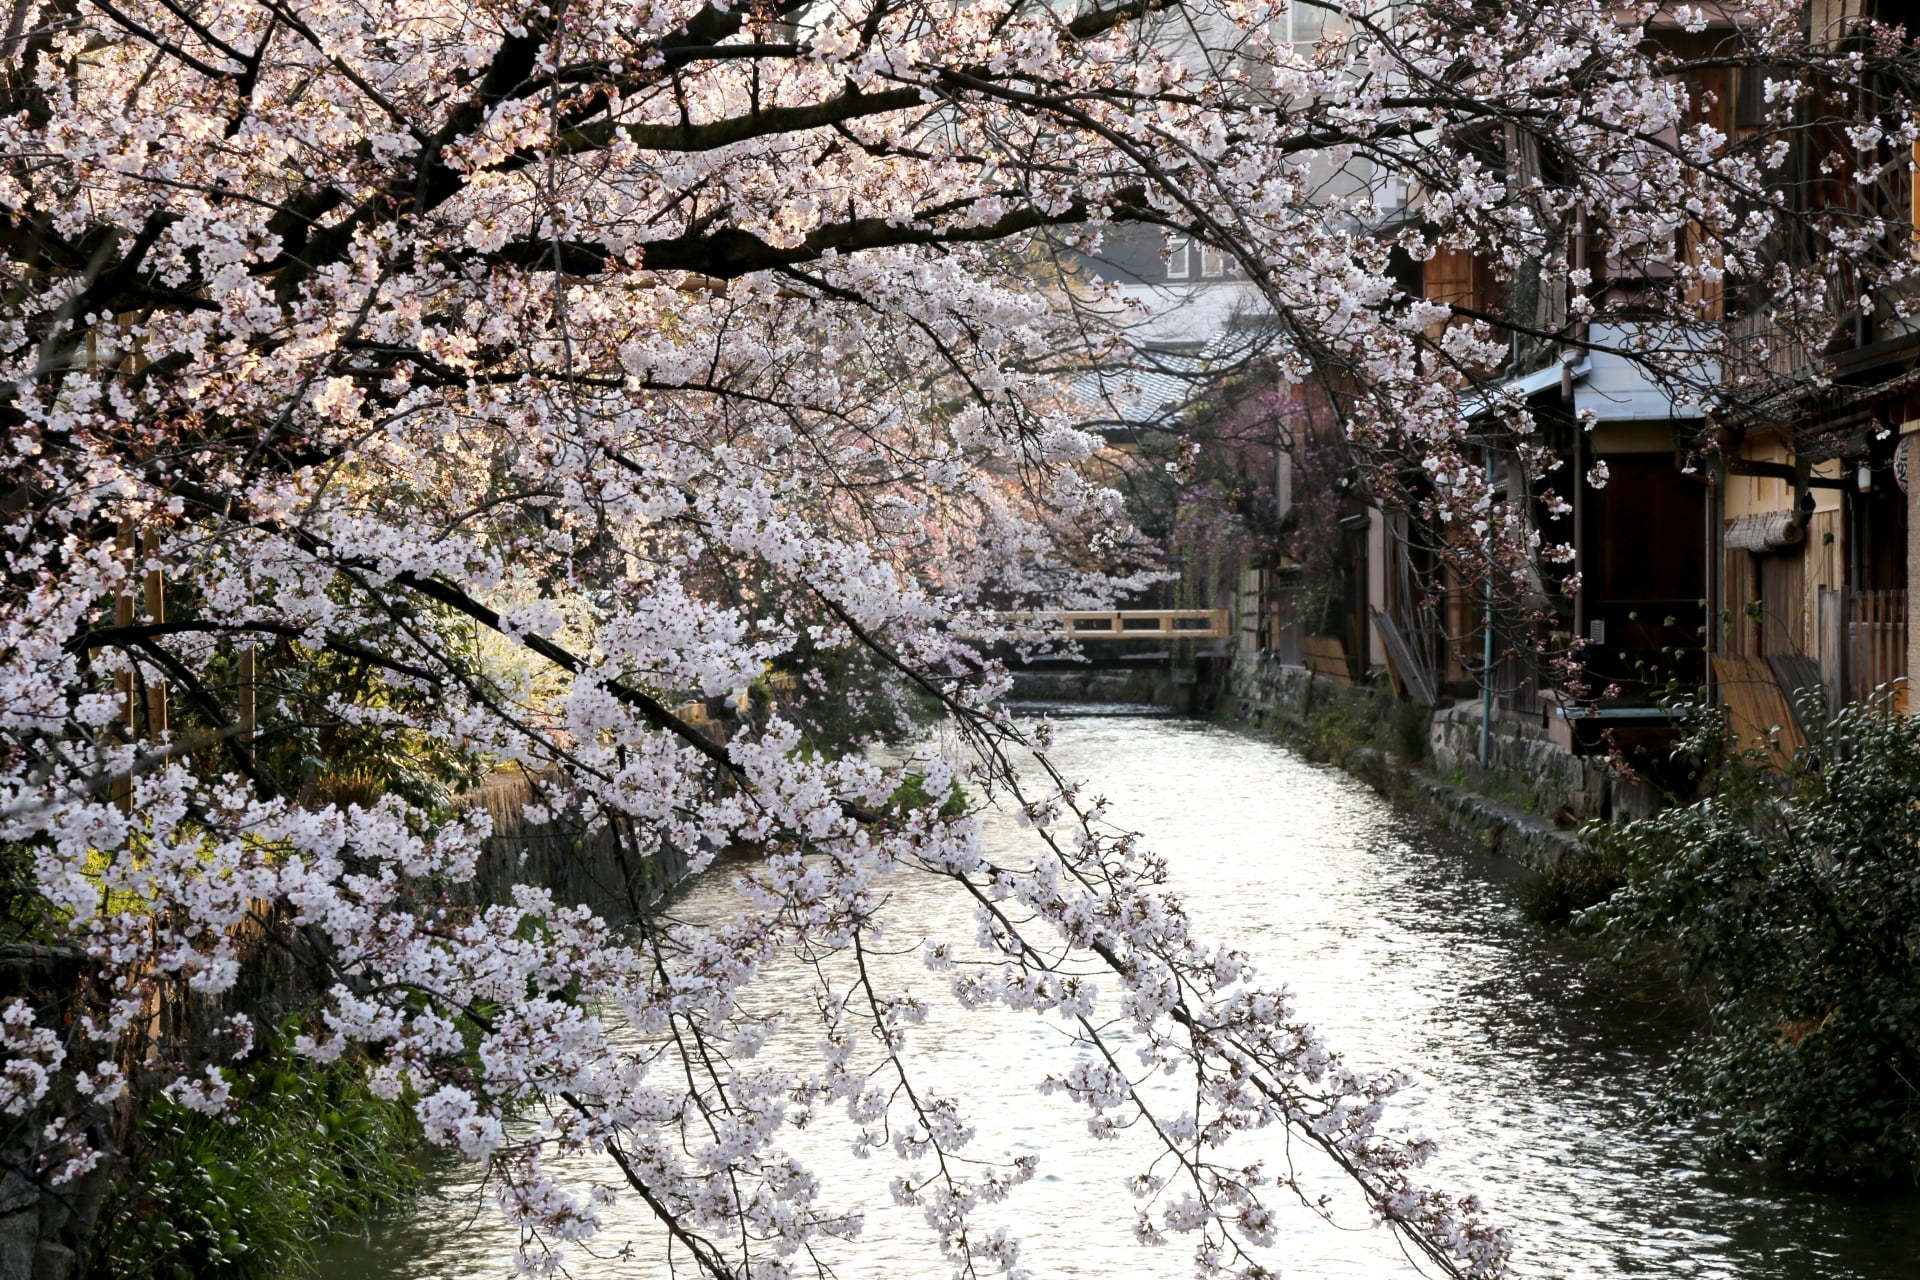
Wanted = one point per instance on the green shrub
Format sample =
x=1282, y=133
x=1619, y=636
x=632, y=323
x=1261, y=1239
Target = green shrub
x=1796, y=897
x=912, y=794
x=306, y=1151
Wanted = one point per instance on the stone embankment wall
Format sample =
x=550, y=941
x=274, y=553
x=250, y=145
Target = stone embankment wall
x=1526, y=767
x=1190, y=683
x=609, y=867
x=1153, y=688
x=1527, y=801
x=1272, y=694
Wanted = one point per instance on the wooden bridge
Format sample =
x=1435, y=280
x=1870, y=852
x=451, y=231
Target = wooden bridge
x=1146, y=624
x=1126, y=639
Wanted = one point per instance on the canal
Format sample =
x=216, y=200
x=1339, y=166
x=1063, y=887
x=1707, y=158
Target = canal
x=1536, y=1068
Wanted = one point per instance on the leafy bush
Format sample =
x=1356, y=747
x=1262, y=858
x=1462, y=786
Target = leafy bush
x=1797, y=896
x=307, y=1150
x=912, y=794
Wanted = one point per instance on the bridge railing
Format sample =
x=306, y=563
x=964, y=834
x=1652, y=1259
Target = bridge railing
x=1147, y=624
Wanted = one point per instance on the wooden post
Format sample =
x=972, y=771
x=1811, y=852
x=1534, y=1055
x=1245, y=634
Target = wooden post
x=1913, y=198
x=1833, y=646
x=1882, y=631
x=1910, y=490
x=123, y=683
x=1898, y=645
x=123, y=617
x=1869, y=641
x=244, y=697
x=156, y=599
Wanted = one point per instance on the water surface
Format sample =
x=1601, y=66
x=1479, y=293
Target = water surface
x=1536, y=1068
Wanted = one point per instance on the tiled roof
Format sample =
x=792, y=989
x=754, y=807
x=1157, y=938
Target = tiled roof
x=1153, y=387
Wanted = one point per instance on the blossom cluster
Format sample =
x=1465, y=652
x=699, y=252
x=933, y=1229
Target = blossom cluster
x=399, y=392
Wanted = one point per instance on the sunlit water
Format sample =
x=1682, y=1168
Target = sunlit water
x=1536, y=1068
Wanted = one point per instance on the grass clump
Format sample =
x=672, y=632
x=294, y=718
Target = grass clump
x=307, y=1150
x=1365, y=731
x=1576, y=881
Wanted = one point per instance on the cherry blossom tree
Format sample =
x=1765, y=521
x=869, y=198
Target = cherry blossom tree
x=478, y=383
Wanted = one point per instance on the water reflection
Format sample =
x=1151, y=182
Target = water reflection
x=1535, y=1069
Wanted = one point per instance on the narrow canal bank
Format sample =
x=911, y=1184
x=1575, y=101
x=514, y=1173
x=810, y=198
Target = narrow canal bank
x=1536, y=1070
x=1526, y=801
x=1523, y=802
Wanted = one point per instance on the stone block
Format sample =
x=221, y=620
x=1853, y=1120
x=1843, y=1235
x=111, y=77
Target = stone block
x=19, y=1241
